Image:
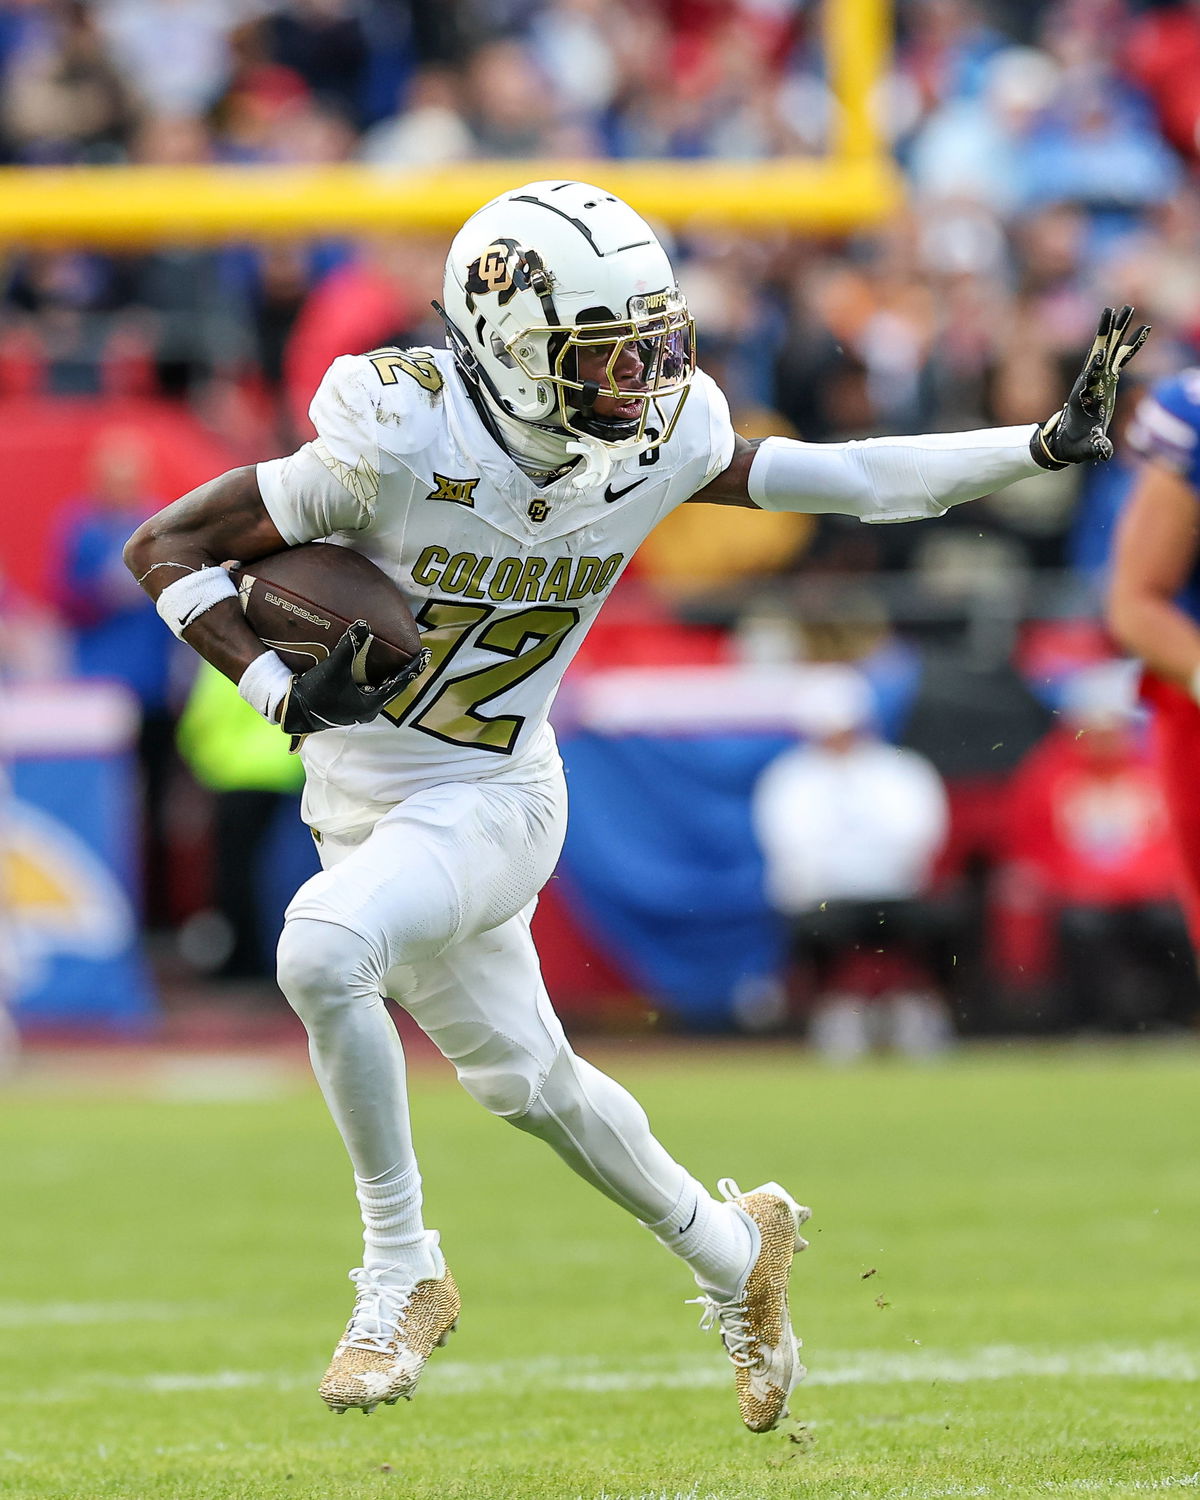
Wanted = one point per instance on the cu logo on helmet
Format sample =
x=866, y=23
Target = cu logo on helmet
x=499, y=269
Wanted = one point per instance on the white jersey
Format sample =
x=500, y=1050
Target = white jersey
x=504, y=576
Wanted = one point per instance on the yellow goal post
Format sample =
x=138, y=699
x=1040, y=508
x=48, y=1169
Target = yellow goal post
x=855, y=184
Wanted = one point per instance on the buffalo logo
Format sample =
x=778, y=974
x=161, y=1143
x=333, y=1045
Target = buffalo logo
x=538, y=510
x=460, y=491
x=501, y=269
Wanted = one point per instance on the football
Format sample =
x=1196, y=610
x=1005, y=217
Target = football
x=300, y=602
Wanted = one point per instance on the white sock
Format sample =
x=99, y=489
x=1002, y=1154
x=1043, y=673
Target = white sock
x=394, y=1233
x=717, y=1241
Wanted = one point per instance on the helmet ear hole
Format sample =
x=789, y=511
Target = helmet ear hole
x=501, y=353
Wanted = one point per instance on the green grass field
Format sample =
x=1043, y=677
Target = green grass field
x=172, y=1278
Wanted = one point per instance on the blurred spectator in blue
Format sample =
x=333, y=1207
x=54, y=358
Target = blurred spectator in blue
x=1097, y=147
x=117, y=632
x=324, y=42
x=976, y=147
x=943, y=52
x=849, y=827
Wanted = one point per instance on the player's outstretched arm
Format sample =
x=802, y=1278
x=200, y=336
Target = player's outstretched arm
x=916, y=478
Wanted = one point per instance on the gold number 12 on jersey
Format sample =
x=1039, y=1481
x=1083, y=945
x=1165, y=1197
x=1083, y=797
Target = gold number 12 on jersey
x=526, y=640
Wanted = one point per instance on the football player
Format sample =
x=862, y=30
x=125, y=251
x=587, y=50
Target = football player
x=1154, y=604
x=504, y=482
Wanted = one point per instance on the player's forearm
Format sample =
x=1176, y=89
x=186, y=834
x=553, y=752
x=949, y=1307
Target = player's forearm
x=186, y=544
x=1159, y=633
x=889, y=479
x=206, y=527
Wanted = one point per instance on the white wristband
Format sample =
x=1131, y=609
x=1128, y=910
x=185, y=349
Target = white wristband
x=183, y=602
x=265, y=683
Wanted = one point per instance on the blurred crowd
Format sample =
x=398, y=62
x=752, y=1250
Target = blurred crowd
x=1050, y=152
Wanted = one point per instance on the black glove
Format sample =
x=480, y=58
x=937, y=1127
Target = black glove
x=1078, y=433
x=336, y=692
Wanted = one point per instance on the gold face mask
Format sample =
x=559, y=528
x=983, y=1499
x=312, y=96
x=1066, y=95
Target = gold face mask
x=642, y=359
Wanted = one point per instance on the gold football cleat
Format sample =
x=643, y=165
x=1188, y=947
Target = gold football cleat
x=755, y=1325
x=391, y=1333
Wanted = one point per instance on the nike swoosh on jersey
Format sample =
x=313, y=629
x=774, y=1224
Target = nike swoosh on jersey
x=610, y=494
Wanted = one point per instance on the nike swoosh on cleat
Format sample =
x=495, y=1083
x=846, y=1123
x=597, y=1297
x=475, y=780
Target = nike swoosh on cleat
x=692, y=1220
x=610, y=494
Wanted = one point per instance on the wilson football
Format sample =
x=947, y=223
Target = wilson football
x=300, y=602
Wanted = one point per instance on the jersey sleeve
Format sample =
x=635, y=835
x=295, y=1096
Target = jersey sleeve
x=1166, y=426
x=703, y=439
x=331, y=484
x=720, y=428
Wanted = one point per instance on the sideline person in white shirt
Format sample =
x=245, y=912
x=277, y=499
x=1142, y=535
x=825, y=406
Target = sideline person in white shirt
x=850, y=827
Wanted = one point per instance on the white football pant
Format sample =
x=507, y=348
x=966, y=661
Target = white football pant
x=431, y=906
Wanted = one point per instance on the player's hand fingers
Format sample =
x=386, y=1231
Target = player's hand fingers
x=1127, y=350
x=387, y=690
x=1120, y=323
x=348, y=652
x=361, y=638
x=1090, y=390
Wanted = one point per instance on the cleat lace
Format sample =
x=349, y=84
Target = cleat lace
x=378, y=1310
x=730, y=1317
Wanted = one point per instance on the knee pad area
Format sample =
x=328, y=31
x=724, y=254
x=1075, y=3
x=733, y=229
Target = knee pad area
x=506, y=1079
x=322, y=967
x=560, y=1100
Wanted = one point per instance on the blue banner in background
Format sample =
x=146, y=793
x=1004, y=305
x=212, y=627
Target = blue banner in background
x=662, y=867
x=70, y=844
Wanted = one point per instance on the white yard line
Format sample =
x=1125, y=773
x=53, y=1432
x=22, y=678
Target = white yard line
x=1039, y=1487
x=950, y=1492
x=1176, y=1363
x=38, y=1314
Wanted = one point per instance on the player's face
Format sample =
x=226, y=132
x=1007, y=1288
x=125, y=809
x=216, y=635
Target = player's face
x=628, y=371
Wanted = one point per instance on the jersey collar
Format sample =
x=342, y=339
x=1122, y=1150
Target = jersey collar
x=520, y=499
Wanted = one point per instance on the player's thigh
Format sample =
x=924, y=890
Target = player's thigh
x=445, y=864
x=484, y=1005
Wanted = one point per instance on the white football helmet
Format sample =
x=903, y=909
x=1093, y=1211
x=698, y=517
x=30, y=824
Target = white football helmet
x=550, y=268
